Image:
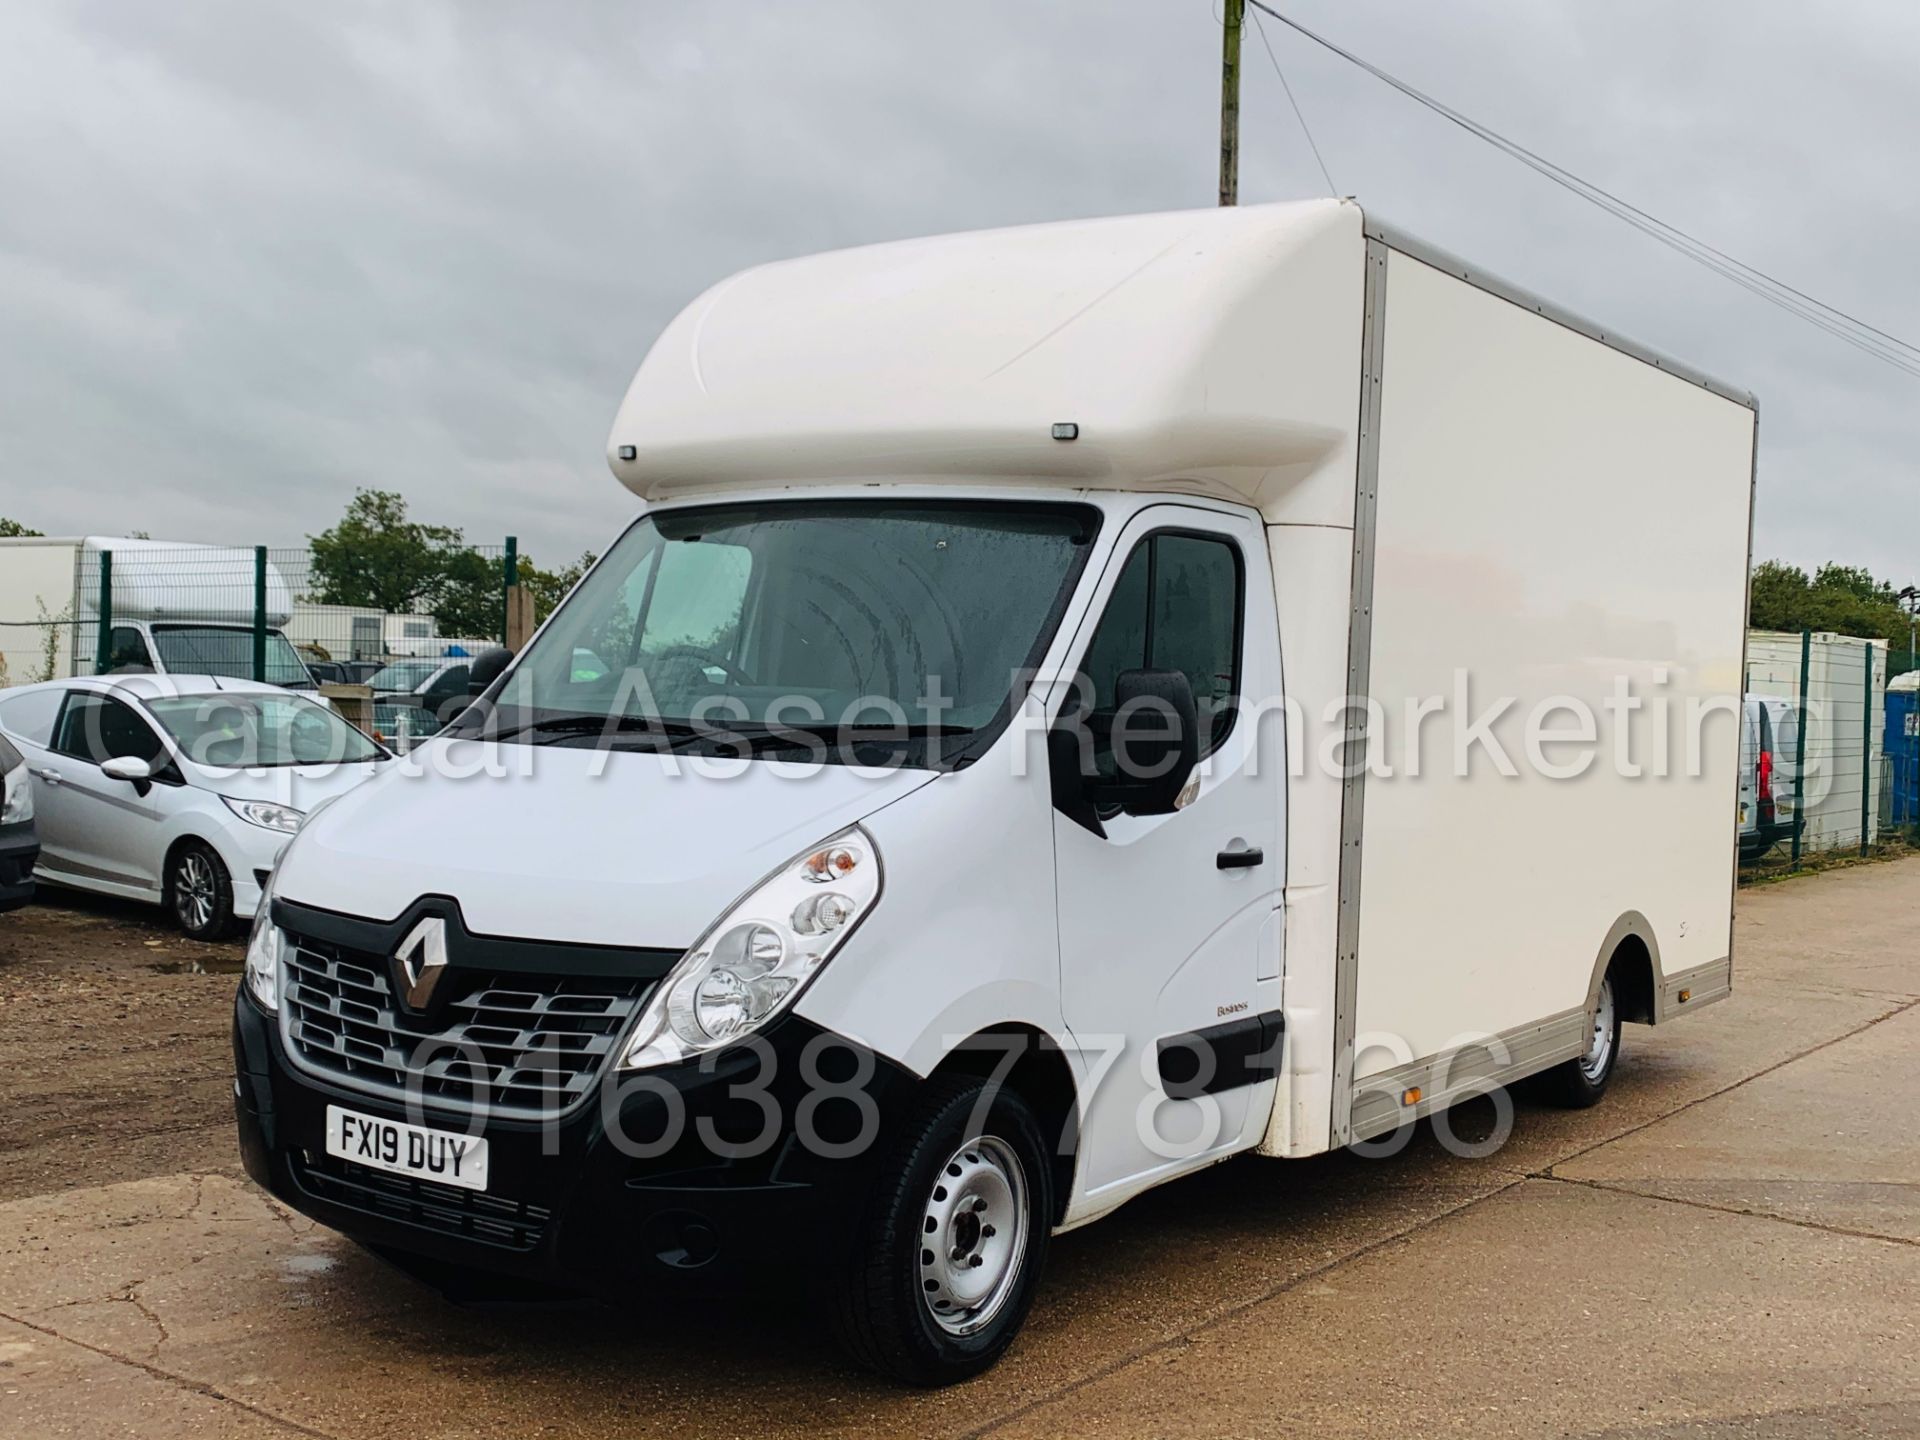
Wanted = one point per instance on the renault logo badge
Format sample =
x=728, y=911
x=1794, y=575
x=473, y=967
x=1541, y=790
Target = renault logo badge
x=420, y=959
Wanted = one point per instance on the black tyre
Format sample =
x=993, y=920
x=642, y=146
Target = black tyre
x=948, y=1250
x=199, y=892
x=1581, y=1082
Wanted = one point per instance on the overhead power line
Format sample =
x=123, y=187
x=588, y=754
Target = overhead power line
x=1298, y=114
x=1867, y=338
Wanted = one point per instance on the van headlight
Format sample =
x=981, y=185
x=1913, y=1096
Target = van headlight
x=756, y=959
x=16, y=796
x=263, y=951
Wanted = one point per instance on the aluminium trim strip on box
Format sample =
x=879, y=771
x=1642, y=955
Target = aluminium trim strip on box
x=1480, y=279
x=1346, y=981
x=1704, y=984
x=1474, y=1069
x=1465, y=1071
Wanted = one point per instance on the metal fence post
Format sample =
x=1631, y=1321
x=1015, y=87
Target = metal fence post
x=509, y=577
x=259, y=613
x=103, y=641
x=1800, y=748
x=1866, y=746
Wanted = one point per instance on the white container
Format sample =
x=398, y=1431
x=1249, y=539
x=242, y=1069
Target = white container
x=1845, y=725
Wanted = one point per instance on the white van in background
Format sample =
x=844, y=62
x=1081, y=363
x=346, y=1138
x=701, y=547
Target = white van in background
x=176, y=609
x=1769, y=741
x=892, y=852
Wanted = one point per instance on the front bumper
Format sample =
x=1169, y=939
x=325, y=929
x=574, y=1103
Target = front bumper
x=19, y=849
x=761, y=1178
x=249, y=852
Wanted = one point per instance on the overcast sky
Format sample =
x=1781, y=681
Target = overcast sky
x=256, y=254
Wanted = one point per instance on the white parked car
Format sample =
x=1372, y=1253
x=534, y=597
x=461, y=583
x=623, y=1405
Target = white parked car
x=178, y=789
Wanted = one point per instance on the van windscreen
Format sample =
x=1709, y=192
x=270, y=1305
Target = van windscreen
x=912, y=618
x=227, y=651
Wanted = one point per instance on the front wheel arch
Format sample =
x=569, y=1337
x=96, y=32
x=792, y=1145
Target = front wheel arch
x=1042, y=1076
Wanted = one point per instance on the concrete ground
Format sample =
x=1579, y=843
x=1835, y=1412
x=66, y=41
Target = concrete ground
x=1728, y=1246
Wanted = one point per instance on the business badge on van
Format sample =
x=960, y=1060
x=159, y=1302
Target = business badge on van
x=419, y=961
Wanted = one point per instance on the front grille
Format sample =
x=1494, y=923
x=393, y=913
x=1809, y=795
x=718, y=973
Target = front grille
x=525, y=1044
x=444, y=1209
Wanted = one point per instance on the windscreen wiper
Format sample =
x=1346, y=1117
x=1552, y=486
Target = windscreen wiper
x=562, y=725
x=813, y=736
x=830, y=729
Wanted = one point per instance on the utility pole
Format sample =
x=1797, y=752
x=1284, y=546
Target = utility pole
x=1230, y=101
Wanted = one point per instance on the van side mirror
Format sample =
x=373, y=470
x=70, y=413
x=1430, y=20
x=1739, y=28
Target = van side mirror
x=487, y=667
x=1156, y=739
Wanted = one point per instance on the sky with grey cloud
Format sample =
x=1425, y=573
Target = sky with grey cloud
x=256, y=254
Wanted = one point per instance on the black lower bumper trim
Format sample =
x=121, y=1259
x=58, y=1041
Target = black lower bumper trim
x=597, y=1201
x=424, y=1204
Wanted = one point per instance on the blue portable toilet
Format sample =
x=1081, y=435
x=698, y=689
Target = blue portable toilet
x=1903, y=746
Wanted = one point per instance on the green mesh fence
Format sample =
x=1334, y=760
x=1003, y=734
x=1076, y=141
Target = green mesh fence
x=242, y=612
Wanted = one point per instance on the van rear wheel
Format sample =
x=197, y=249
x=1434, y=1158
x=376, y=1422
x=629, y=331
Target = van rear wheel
x=948, y=1250
x=1581, y=1081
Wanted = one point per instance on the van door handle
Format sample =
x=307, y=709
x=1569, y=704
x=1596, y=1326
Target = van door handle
x=52, y=777
x=1240, y=859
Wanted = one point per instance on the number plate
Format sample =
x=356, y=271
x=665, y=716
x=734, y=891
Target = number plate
x=407, y=1149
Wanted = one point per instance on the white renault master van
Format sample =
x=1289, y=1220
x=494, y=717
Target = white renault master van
x=975, y=790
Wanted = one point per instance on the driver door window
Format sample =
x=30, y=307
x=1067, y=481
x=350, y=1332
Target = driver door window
x=98, y=728
x=1176, y=606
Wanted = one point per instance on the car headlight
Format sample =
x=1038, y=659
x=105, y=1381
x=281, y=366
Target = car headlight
x=266, y=814
x=16, y=795
x=263, y=951
x=754, y=961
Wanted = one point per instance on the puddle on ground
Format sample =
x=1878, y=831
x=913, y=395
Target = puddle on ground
x=217, y=965
x=300, y=1267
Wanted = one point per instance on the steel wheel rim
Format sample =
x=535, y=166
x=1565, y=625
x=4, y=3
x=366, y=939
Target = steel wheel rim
x=193, y=891
x=973, y=1241
x=1594, y=1063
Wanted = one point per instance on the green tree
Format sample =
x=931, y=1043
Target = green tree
x=381, y=558
x=1779, y=596
x=468, y=599
x=378, y=558
x=1841, y=599
x=550, y=587
x=13, y=529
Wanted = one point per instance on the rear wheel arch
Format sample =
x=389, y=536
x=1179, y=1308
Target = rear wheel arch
x=1042, y=1076
x=1631, y=955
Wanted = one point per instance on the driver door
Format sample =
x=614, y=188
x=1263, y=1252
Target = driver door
x=1165, y=920
x=92, y=826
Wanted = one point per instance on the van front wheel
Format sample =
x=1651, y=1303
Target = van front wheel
x=948, y=1250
